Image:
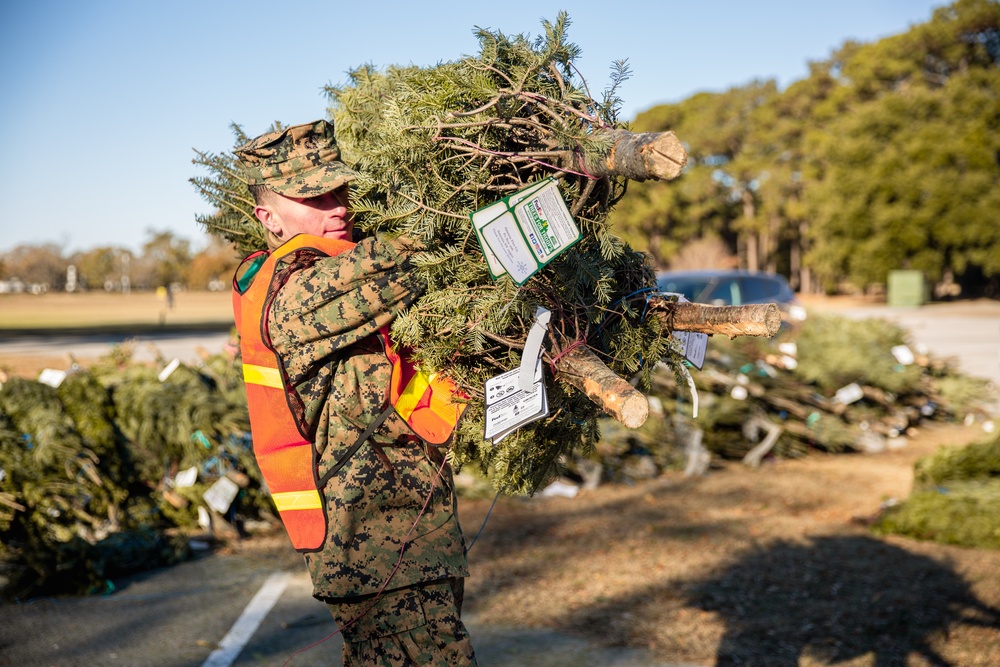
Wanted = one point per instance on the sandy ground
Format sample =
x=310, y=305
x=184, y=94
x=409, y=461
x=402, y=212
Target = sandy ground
x=773, y=566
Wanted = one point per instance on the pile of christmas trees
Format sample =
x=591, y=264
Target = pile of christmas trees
x=803, y=390
x=111, y=469
x=116, y=467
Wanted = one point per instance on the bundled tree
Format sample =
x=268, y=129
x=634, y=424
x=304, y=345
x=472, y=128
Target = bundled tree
x=432, y=145
x=955, y=498
x=64, y=489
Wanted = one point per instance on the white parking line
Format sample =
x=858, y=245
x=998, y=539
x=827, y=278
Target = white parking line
x=249, y=620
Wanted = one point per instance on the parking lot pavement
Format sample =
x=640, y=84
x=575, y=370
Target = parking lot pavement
x=966, y=331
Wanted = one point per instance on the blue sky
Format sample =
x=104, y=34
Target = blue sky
x=103, y=101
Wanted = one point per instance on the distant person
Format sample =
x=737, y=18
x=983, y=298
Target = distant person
x=369, y=502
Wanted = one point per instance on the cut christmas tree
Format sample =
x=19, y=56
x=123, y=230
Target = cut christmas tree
x=435, y=145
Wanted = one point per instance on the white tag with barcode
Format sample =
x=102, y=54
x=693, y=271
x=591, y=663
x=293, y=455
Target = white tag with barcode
x=509, y=407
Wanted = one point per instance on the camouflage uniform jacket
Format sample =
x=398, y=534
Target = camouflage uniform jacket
x=321, y=324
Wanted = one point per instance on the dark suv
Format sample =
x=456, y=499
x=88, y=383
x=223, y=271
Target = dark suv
x=722, y=287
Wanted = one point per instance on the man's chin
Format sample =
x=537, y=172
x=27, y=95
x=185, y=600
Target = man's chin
x=339, y=235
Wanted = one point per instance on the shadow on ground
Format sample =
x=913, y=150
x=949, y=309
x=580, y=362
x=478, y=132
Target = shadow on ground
x=831, y=599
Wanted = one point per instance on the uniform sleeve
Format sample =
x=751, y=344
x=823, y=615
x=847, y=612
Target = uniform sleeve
x=333, y=302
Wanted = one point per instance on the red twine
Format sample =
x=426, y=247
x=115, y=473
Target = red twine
x=566, y=350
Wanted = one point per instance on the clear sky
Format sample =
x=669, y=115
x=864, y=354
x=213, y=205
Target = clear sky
x=103, y=101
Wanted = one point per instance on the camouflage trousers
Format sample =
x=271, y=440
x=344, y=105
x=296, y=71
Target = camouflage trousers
x=417, y=626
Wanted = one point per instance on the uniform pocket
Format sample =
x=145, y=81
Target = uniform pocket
x=392, y=613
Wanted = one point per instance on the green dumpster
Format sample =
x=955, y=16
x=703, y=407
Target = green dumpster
x=907, y=288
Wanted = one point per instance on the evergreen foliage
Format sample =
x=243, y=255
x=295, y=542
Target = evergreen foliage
x=955, y=500
x=801, y=399
x=434, y=144
x=87, y=469
x=978, y=461
x=837, y=351
x=965, y=513
x=226, y=189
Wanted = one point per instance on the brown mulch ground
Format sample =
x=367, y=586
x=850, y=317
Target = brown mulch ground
x=773, y=566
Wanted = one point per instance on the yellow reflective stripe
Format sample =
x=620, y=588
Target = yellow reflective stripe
x=297, y=500
x=412, y=394
x=262, y=375
x=444, y=407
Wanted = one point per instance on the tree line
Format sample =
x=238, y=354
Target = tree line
x=164, y=260
x=886, y=156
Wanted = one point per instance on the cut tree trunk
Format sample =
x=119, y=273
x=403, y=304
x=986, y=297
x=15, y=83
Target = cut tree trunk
x=640, y=156
x=583, y=369
x=754, y=320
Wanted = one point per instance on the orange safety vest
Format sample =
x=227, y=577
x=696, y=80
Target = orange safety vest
x=285, y=455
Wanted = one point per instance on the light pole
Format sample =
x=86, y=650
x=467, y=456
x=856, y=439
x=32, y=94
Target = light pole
x=126, y=259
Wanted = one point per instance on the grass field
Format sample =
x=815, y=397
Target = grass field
x=97, y=310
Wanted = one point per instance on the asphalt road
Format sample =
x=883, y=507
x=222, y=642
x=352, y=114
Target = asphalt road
x=195, y=615
x=966, y=331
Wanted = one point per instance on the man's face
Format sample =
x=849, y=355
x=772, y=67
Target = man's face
x=327, y=215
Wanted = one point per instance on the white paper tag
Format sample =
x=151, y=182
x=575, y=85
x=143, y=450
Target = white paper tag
x=524, y=231
x=547, y=222
x=479, y=219
x=903, y=354
x=220, y=495
x=533, y=348
x=849, y=394
x=504, y=239
x=168, y=369
x=693, y=346
x=508, y=407
x=694, y=391
x=186, y=478
x=52, y=377
x=789, y=348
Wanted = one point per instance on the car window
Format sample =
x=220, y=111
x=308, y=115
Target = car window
x=689, y=287
x=760, y=289
x=726, y=292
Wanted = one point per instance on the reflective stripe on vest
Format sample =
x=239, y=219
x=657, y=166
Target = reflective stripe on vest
x=286, y=459
x=269, y=377
x=423, y=401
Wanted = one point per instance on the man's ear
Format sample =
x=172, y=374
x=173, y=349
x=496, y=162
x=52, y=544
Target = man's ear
x=268, y=219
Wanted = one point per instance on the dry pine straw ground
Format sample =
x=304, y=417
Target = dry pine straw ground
x=773, y=566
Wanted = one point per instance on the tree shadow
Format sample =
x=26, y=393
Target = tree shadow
x=834, y=599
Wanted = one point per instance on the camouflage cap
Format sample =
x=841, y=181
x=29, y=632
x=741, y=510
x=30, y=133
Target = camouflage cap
x=298, y=161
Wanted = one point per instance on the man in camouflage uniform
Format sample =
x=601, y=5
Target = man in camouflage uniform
x=393, y=563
